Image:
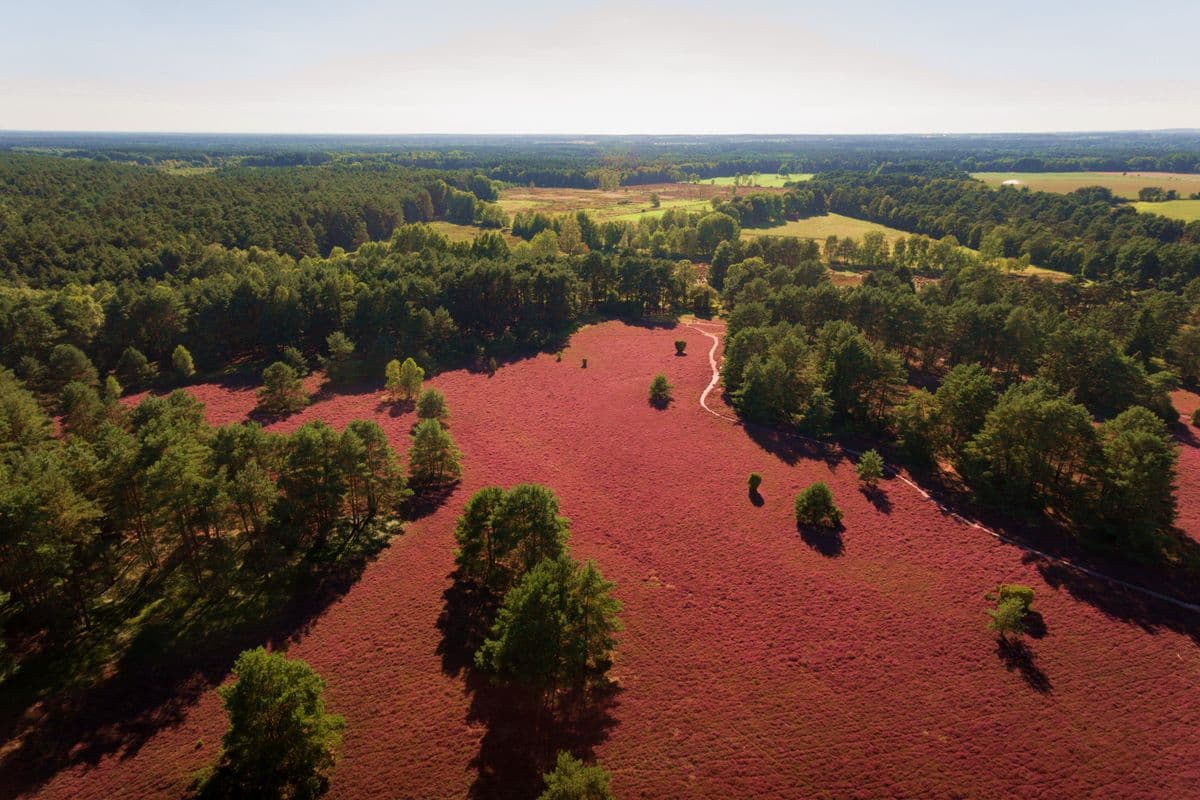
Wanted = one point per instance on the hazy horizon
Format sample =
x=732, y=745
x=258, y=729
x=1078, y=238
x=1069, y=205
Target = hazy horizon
x=765, y=67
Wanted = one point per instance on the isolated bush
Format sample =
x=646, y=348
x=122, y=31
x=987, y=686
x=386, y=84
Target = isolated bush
x=680, y=346
x=282, y=391
x=584, y=364
x=660, y=391
x=181, y=362
x=574, y=780
x=280, y=741
x=432, y=405
x=815, y=507
x=869, y=468
x=754, y=482
x=1013, y=602
x=1196, y=417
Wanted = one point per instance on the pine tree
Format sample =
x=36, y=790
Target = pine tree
x=433, y=457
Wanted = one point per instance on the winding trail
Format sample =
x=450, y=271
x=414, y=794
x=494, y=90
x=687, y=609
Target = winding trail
x=716, y=378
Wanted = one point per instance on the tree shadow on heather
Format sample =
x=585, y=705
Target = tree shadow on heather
x=826, y=541
x=467, y=609
x=1018, y=657
x=1120, y=603
x=524, y=734
x=524, y=731
x=395, y=408
x=878, y=498
x=328, y=391
x=427, y=499
x=182, y=651
x=791, y=449
x=756, y=498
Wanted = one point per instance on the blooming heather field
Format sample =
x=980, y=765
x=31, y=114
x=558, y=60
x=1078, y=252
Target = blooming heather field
x=755, y=663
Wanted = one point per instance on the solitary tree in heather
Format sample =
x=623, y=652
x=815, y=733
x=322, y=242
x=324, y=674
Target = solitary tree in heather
x=869, y=469
x=280, y=741
x=660, y=391
x=433, y=457
x=815, y=507
x=282, y=391
x=680, y=346
x=432, y=405
x=1013, y=602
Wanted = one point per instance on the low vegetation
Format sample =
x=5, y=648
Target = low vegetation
x=815, y=507
x=660, y=391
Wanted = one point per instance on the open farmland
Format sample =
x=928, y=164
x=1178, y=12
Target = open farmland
x=755, y=662
x=1122, y=184
x=1186, y=210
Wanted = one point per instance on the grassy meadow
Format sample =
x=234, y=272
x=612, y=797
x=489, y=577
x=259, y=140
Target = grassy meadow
x=1186, y=210
x=1122, y=184
x=762, y=181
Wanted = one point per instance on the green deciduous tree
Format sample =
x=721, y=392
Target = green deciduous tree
x=404, y=379
x=1013, y=603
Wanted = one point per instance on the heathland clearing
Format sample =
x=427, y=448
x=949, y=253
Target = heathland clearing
x=754, y=658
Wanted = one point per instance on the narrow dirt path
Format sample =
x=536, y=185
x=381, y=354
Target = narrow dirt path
x=716, y=378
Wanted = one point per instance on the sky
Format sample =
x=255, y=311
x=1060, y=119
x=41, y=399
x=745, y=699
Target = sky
x=533, y=66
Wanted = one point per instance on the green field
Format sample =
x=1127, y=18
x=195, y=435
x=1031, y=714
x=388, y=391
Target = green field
x=826, y=225
x=465, y=233
x=1122, y=184
x=763, y=180
x=634, y=212
x=1186, y=210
